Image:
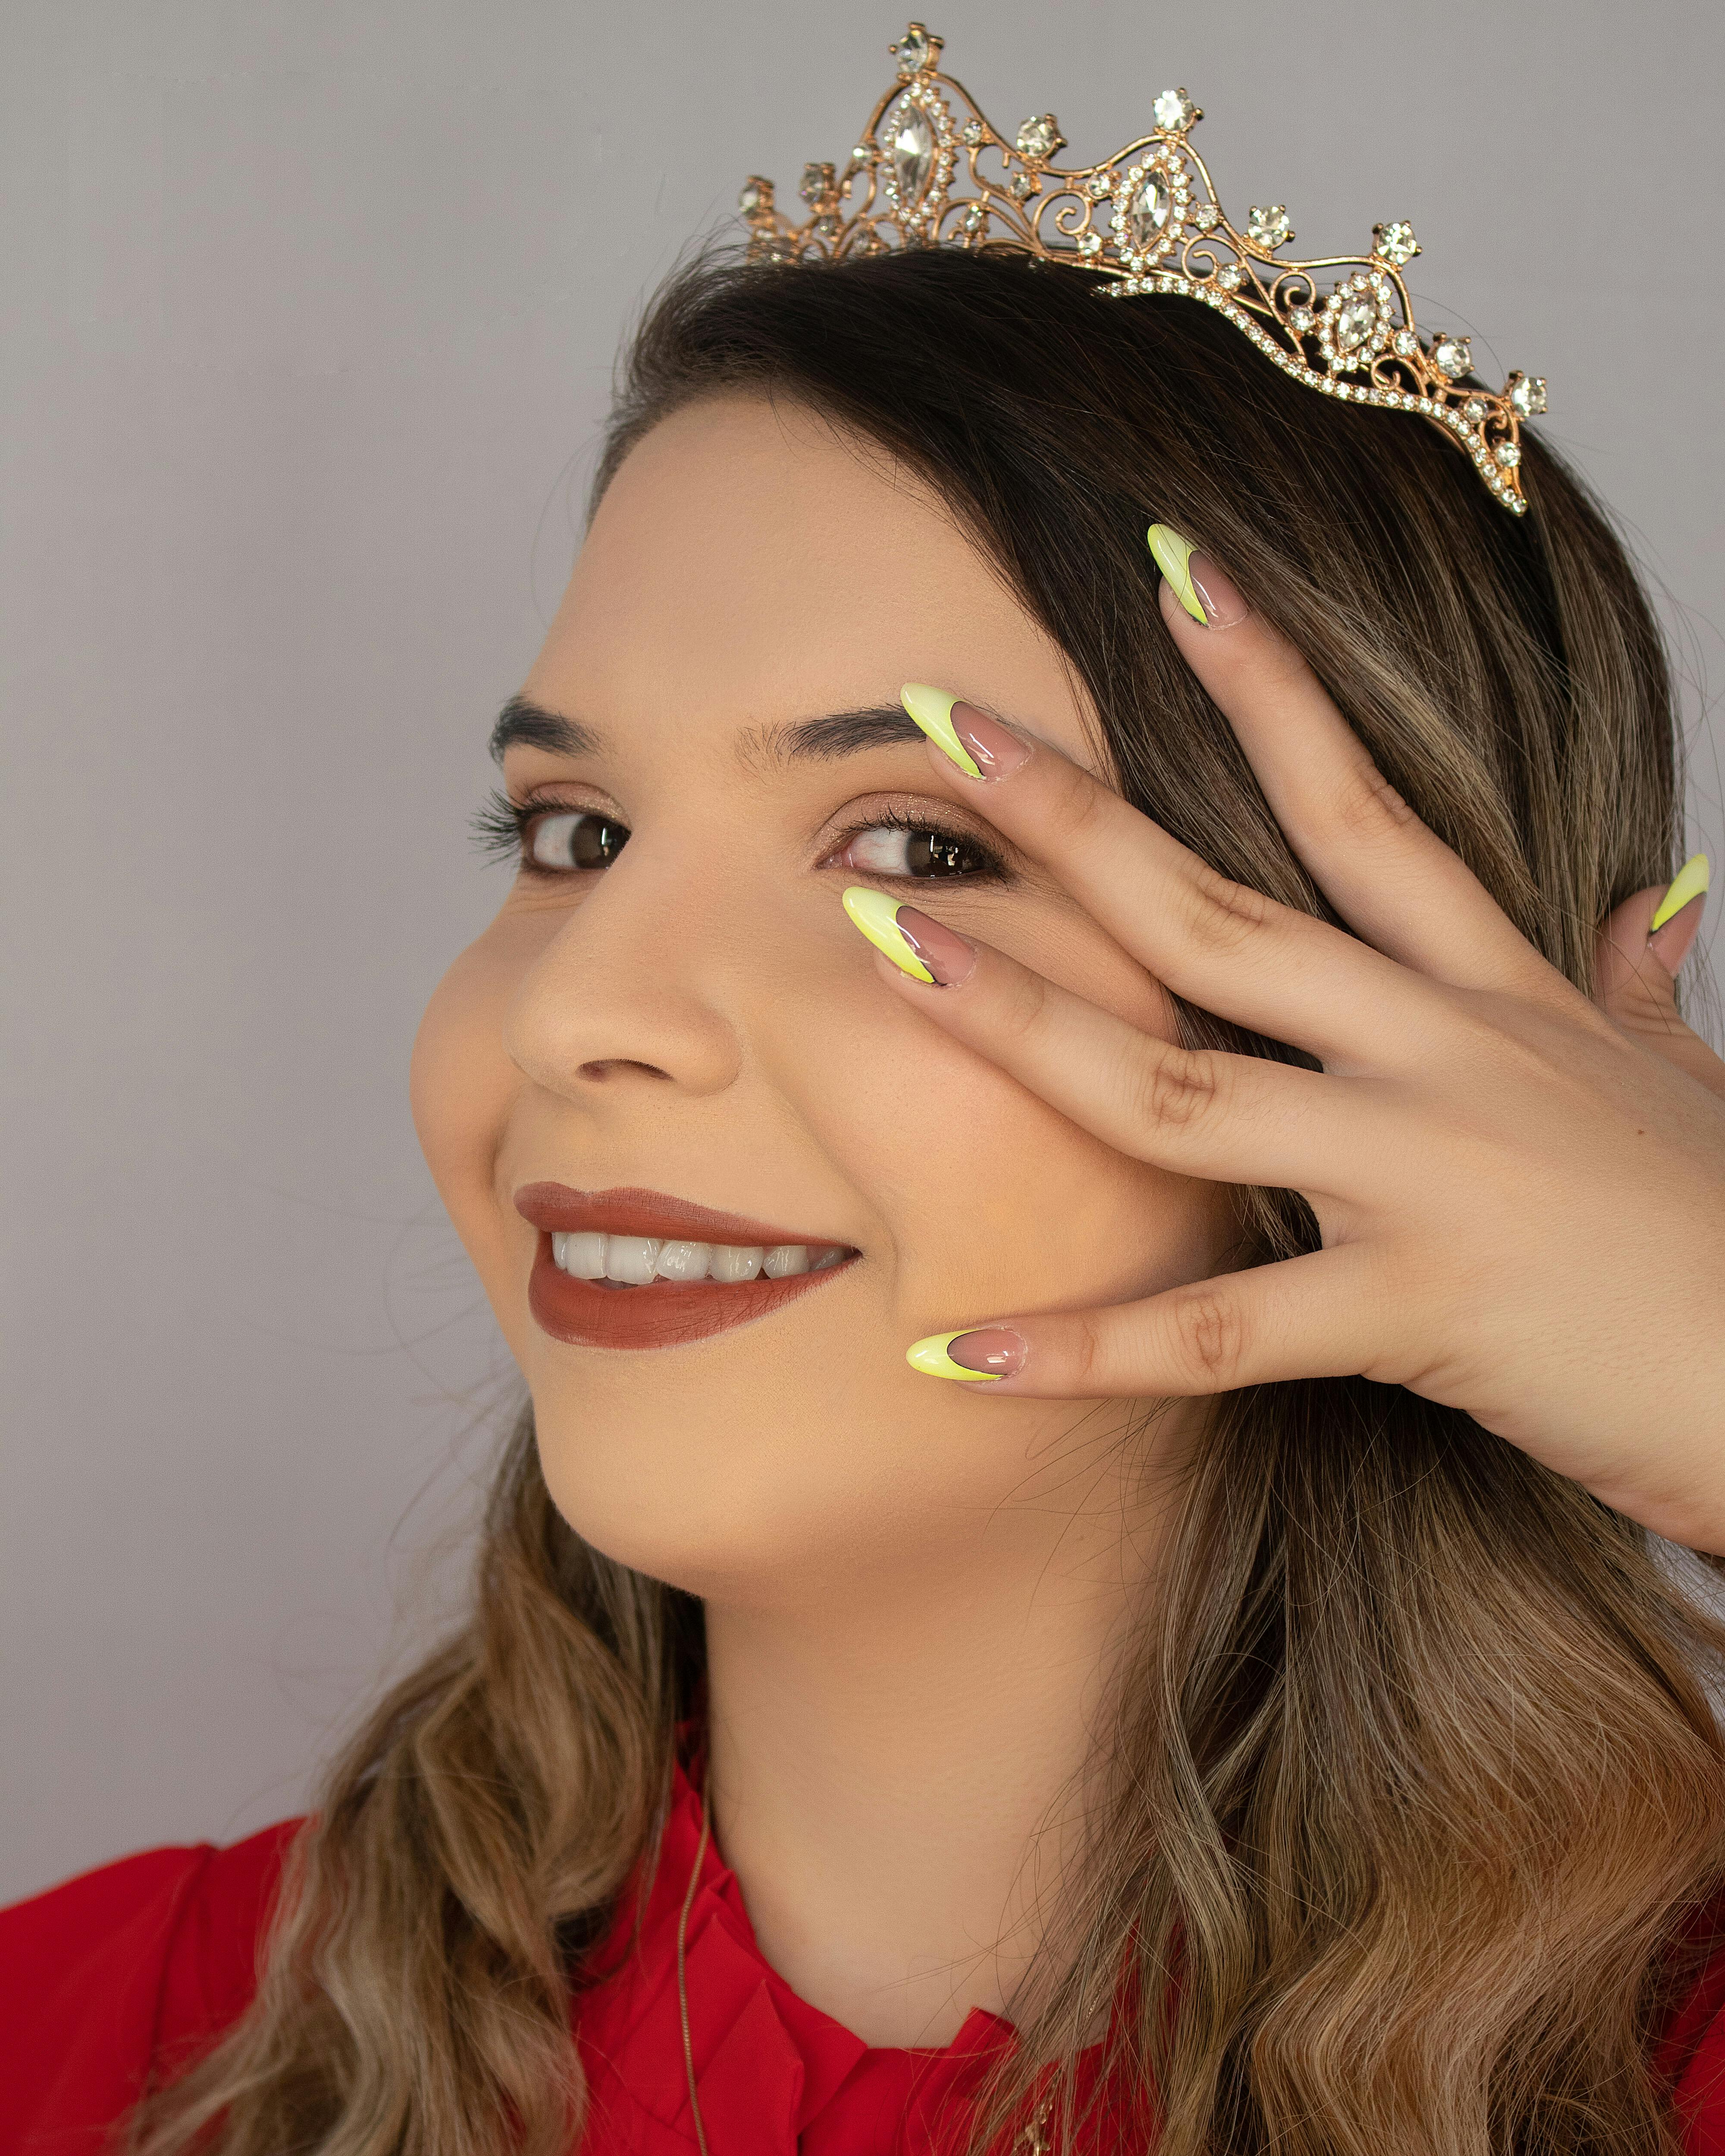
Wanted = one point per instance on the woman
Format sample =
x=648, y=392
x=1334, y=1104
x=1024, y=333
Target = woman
x=1245, y=1686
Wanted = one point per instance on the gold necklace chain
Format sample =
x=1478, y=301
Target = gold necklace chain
x=682, y=1975
x=1031, y=2141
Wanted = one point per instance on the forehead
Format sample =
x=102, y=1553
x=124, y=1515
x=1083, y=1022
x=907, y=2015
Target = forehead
x=751, y=561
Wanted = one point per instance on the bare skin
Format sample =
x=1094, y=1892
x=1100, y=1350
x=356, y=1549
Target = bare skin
x=912, y=1587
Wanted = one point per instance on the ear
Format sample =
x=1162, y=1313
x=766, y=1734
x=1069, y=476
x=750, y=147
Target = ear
x=1636, y=982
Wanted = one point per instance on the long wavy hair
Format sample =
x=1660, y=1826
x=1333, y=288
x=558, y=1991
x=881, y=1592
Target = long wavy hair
x=1413, y=1786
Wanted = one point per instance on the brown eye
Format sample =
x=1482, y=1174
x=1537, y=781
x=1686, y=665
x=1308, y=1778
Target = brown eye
x=915, y=849
x=575, y=838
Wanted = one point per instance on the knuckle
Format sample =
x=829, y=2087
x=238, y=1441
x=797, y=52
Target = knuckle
x=1175, y=1087
x=1209, y=1341
x=1085, y=1350
x=1222, y=915
x=1367, y=807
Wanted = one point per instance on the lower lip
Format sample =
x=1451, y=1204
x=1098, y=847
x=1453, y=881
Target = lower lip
x=663, y=1314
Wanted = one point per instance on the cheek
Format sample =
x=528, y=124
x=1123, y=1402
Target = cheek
x=463, y=1088
x=989, y=1199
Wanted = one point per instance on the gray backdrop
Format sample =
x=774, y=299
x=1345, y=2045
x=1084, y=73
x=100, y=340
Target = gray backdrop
x=309, y=316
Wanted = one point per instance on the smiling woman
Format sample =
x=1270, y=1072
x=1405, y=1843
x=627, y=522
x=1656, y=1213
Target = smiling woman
x=1255, y=1707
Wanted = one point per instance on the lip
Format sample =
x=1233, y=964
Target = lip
x=665, y=1313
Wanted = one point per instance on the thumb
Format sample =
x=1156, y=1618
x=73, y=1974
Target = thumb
x=1636, y=964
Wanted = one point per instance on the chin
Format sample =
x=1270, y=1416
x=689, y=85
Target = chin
x=765, y=1495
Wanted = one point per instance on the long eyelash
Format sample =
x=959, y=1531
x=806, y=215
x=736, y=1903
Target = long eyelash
x=499, y=827
x=904, y=819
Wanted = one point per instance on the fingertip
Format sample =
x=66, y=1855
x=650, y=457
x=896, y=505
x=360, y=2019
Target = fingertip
x=1690, y=883
x=1671, y=943
x=1171, y=550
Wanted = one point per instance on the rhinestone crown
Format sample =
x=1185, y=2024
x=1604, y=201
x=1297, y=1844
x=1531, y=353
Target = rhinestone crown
x=1146, y=220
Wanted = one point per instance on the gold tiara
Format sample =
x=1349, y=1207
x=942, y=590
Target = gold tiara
x=1145, y=220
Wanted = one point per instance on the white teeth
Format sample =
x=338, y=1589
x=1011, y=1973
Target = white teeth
x=631, y=1258
x=582, y=1254
x=634, y=1261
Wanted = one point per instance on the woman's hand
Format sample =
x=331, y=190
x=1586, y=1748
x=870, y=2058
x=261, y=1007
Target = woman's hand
x=1521, y=1196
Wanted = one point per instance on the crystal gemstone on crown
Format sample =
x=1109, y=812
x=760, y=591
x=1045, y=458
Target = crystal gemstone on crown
x=1039, y=137
x=1396, y=243
x=1146, y=214
x=913, y=50
x=1354, y=321
x=1130, y=222
x=911, y=142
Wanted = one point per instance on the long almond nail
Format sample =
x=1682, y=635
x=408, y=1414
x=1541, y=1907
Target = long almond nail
x=947, y=955
x=1689, y=883
x=1196, y=579
x=979, y=746
x=986, y=1353
x=926, y=950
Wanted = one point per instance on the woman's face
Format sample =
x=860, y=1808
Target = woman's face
x=688, y=1016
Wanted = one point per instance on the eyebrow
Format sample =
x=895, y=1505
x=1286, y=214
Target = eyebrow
x=524, y=724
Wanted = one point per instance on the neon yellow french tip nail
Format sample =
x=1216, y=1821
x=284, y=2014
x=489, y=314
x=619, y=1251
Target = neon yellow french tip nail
x=932, y=710
x=877, y=916
x=1689, y=881
x=930, y=1358
x=1173, y=552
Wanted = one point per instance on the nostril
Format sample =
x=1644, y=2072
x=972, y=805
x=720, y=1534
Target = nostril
x=615, y=1066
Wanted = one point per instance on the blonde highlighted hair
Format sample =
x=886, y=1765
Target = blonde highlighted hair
x=1413, y=1788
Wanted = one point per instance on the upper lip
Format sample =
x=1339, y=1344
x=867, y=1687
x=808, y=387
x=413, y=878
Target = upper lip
x=630, y=1211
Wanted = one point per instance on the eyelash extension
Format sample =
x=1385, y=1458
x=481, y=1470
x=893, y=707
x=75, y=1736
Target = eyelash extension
x=993, y=868
x=498, y=827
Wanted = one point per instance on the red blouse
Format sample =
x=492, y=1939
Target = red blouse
x=126, y=1973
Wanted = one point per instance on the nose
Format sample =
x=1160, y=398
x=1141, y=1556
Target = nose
x=623, y=997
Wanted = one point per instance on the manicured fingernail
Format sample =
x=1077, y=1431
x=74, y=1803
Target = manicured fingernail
x=1689, y=881
x=943, y=951
x=926, y=950
x=988, y=1351
x=1197, y=581
x=979, y=746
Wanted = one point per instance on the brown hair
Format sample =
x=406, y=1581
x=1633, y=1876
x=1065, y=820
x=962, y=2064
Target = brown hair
x=1414, y=1781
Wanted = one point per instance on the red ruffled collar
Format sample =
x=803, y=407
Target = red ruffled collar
x=775, y=2076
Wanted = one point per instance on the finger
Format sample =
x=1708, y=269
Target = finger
x=1231, y=1118
x=1635, y=971
x=1386, y=873
x=1221, y=945
x=1317, y=1315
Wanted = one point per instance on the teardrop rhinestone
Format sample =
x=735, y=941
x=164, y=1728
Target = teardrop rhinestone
x=1146, y=214
x=913, y=51
x=910, y=143
x=1353, y=323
